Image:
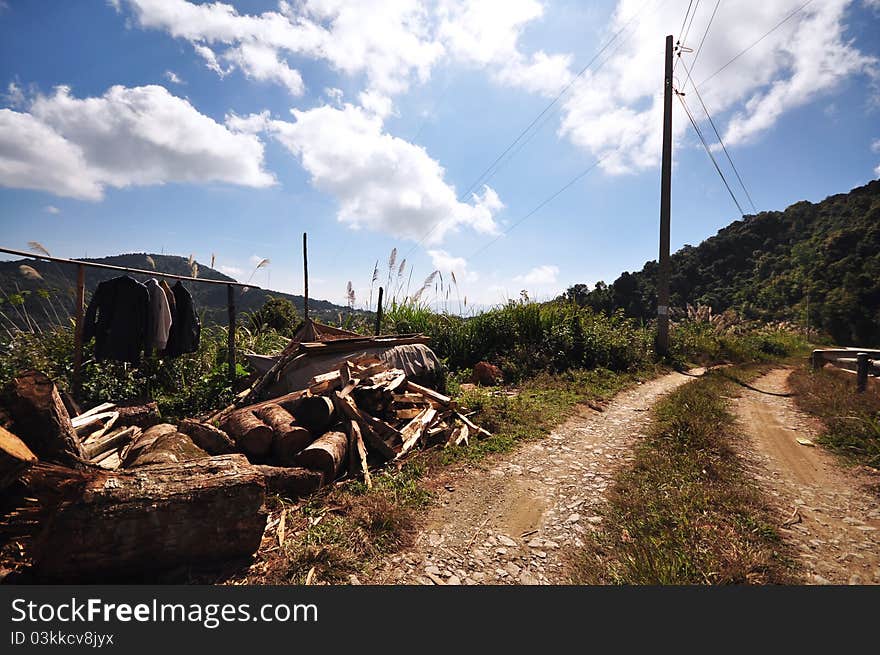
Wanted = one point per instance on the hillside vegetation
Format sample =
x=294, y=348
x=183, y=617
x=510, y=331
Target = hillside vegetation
x=814, y=264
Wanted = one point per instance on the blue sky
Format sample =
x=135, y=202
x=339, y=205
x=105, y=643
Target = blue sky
x=229, y=129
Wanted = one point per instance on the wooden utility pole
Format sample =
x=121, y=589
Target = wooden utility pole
x=379, y=313
x=306, y=276
x=665, y=208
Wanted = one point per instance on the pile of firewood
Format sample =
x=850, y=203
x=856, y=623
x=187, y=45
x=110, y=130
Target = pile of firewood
x=111, y=491
x=362, y=414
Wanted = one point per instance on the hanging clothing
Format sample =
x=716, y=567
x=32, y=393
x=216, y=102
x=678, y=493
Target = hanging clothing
x=185, y=325
x=160, y=317
x=169, y=295
x=118, y=319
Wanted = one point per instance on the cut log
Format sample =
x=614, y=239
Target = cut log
x=172, y=448
x=251, y=435
x=15, y=458
x=41, y=421
x=290, y=481
x=213, y=441
x=288, y=438
x=325, y=454
x=114, y=440
x=143, y=442
x=314, y=413
x=414, y=430
x=126, y=524
x=348, y=409
x=142, y=415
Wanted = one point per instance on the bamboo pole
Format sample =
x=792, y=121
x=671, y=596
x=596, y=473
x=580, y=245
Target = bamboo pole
x=79, y=329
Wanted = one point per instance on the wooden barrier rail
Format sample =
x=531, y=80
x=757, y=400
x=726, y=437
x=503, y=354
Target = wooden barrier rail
x=860, y=361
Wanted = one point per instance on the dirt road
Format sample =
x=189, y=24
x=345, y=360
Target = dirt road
x=826, y=511
x=509, y=523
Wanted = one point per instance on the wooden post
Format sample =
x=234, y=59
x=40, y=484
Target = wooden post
x=78, y=329
x=230, y=337
x=665, y=208
x=305, y=276
x=861, y=372
x=379, y=313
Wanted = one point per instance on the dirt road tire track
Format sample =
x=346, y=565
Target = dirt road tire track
x=511, y=522
x=825, y=508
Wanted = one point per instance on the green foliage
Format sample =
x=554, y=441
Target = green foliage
x=815, y=264
x=696, y=342
x=523, y=338
x=277, y=314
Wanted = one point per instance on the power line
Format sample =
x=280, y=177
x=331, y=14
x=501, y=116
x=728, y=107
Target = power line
x=544, y=202
x=709, y=152
x=700, y=47
x=765, y=35
x=483, y=176
x=723, y=147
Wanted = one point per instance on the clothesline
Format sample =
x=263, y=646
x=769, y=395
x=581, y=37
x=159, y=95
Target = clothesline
x=141, y=271
x=80, y=303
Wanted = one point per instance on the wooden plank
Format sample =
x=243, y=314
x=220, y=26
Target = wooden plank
x=15, y=458
x=361, y=452
x=103, y=407
x=414, y=429
x=472, y=425
x=98, y=447
x=428, y=393
x=81, y=422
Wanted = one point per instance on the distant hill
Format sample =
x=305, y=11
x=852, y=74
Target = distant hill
x=55, y=292
x=812, y=262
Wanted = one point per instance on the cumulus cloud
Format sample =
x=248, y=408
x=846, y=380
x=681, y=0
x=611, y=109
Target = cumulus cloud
x=138, y=136
x=172, y=77
x=388, y=40
x=616, y=112
x=380, y=181
x=540, y=276
x=52, y=209
x=486, y=33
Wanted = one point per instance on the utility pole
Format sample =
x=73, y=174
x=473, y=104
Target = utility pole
x=305, y=277
x=662, y=343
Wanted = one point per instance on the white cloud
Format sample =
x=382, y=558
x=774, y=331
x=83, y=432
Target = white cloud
x=617, y=111
x=540, y=276
x=486, y=33
x=388, y=40
x=875, y=146
x=231, y=271
x=127, y=137
x=14, y=95
x=877, y=170
x=446, y=263
x=172, y=77
x=52, y=209
x=380, y=181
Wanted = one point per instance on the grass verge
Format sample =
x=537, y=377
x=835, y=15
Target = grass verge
x=344, y=530
x=685, y=512
x=851, y=419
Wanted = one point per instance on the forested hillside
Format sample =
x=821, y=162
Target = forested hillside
x=816, y=263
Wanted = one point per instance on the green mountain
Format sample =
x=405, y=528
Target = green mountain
x=49, y=298
x=816, y=264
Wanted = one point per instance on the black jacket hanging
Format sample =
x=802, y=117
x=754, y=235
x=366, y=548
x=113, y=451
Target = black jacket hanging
x=117, y=318
x=185, y=326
